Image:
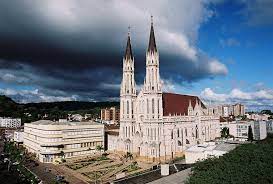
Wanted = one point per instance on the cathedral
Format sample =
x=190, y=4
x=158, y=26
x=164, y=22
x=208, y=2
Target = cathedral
x=157, y=126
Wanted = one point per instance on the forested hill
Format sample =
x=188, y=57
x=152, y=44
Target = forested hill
x=33, y=111
x=71, y=105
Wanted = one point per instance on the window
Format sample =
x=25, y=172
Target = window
x=127, y=107
x=171, y=134
x=132, y=109
x=179, y=143
x=153, y=106
x=123, y=107
x=158, y=105
x=178, y=133
x=147, y=106
x=196, y=132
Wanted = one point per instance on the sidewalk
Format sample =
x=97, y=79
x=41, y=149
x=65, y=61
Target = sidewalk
x=176, y=178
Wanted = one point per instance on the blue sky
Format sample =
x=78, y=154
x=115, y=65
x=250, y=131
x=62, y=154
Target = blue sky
x=245, y=48
x=220, y=50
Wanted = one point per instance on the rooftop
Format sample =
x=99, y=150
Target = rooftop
x=69, y=123
x=212, y=146
x=176, y=104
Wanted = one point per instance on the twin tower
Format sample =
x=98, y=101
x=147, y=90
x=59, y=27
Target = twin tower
x=148, y=103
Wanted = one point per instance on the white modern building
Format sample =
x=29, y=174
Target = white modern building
x=269, y=126
x=258, y=117
x=239, y=129
x=54, y=140
x=10, y=122
x=207, y=150
x=157, y=126
x=18, y=136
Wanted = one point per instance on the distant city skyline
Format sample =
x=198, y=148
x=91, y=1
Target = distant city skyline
x=220, y=50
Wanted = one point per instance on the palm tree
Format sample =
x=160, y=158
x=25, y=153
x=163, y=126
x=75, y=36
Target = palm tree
x=99, y=148
x=225, y=132
x=128, y=155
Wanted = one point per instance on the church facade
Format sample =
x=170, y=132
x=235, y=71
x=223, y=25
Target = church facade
x=158, y=126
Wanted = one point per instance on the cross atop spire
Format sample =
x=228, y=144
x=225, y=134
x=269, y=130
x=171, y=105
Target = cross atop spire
x=152, y=44
x=128, y=52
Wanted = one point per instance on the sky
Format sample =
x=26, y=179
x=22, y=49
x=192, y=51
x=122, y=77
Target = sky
x=220, y=50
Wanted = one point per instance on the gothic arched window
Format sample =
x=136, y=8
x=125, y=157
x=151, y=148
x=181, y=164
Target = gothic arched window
x=123, y=107
x=147, y=106
x=153, y=106
x=127, y=107
x=132, y=109
x=179, y=143
x=158, y=105
x=196, y=132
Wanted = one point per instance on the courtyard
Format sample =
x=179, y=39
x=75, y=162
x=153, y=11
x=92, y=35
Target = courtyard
x=105, y=168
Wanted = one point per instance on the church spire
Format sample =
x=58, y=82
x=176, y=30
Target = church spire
x=152, y=44
x=128, y=52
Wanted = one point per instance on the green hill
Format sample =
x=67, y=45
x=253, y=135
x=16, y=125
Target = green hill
x=54, y=110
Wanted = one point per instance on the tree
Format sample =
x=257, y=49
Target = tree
x=250, y=134
x=62, y=154
x=225, y=132
x=128, y=155
x=99, y=148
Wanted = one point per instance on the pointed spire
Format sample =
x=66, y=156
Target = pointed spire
x=152, y=44
x=128, y=52
x=190, y=106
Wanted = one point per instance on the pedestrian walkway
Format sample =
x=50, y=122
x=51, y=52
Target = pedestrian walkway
x=177, y=178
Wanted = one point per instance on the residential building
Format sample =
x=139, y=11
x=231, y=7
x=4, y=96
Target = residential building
x=269, y=126
x=259, y=130
x=19, y=136
x=54, y=140
x=239, y=129
x=75, y=117
x=207, y=150
x=157, y=126
x=258, y=117
x=10, y=122
x=110, y=114
x=111, y=136
x=227, y=110
x=238, y=110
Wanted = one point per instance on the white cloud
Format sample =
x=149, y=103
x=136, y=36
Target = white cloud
x=216, y=67
x=26, y=96
x=177, y=23
x=252, y=99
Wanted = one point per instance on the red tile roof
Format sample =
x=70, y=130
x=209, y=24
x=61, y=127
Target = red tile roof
x=178, y=104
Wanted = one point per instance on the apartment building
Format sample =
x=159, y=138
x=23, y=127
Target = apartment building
x=240, y=130
x=110, y=114
x=19, y=136
x=234, y=110
x=10, y=122
x=238, y=110
x=51, y=141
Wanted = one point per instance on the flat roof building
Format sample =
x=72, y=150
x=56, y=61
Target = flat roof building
x=10, y=122
x=54, y=140
x=207, y=150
